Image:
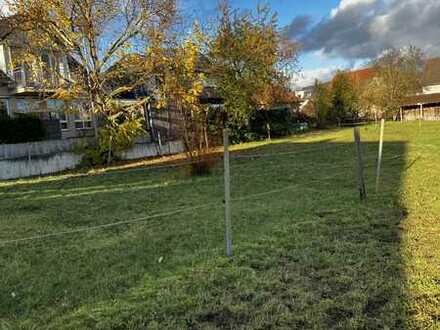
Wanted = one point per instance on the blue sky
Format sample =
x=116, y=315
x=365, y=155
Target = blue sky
x=346, y=34
x=311, y=62
x=342, y=34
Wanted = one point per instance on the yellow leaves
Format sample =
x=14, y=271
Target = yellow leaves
x=182, y=81
x=67, y=94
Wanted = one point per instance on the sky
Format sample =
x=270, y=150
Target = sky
x=345, y=34
x=342, y=34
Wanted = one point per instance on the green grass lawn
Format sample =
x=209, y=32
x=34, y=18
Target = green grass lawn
x=307, y=253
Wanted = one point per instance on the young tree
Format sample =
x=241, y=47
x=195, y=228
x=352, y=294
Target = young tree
x=181, y=85
x=95, y=35
x=370, y=94
x=344, y=99
x=321, y=103
x=399, y=74
x=250, y=57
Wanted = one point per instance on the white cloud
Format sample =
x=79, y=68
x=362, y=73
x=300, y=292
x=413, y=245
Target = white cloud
x=308, y=77
x=364, y=28
x=346, y=4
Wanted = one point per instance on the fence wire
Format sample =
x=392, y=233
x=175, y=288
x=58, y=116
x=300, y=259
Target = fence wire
x=206, y=205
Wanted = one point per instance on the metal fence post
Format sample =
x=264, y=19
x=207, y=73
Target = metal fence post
x=228, y=229
x=360, y=165
x=379, y=158
x=29, y=145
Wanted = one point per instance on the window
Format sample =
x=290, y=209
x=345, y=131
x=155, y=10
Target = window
x=64, y=121
x=83, y=120
x=56, y=110
x=21, y=105
x=64, y=67
x=27, y=105
x=55, y=105
x=53, y=115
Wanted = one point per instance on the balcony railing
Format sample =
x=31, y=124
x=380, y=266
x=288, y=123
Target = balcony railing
x=24, y=79
x=19, y=77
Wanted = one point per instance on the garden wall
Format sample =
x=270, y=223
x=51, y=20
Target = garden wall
x=48, y=157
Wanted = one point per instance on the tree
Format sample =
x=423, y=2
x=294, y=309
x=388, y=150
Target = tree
x=398, y=74
x=250, y=57
x=181, y=85
x=321, y=102
x=370, y=94
x=95, y=35
x=344, y=99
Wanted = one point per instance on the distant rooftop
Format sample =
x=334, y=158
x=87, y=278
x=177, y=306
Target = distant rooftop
x=431, y=75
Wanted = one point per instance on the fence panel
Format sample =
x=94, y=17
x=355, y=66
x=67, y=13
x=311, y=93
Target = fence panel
x=35, y=149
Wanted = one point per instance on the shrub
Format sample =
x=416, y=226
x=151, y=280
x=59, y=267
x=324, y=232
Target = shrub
x=203, y=166
x=117, y=135
x=280, y=122
x=93, y=156
x=24, y=128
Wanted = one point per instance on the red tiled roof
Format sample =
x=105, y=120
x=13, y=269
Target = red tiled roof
x=431, y=74
x=361, y=75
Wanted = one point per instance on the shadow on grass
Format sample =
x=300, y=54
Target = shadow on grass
x=307, y=253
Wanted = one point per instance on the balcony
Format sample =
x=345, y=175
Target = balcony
x=24, y=82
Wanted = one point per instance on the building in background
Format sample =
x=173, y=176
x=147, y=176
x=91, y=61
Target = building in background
x=27, y=92
x=426, y=104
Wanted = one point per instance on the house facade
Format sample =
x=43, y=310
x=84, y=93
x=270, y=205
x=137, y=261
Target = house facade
x=426, y=104
x=22, y=92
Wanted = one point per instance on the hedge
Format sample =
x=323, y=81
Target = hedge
x=21, y=129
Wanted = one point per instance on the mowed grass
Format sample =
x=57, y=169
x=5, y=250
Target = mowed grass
x=307, y=253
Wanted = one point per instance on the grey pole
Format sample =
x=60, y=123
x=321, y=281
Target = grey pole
x=379, y=158
x=228, y=229
x=360, y=165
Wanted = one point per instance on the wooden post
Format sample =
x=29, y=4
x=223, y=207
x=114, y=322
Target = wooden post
x=29, y=145
x=379, y=158
x=228, y=229
x=401, y=115
x=159, y=140
x=268, y=131
x=360, y=165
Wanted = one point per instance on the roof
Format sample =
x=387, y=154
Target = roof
x=309, y=88
x=421, y=99
x=431, y=74
x=6, y=26
x=4, y=78
x=11, y=28
x=361, y=75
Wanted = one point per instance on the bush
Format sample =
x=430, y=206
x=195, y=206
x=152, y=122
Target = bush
x=203, y=166
x=281, y=122
x=115, y=137
x=21, y=129
x=93, y=156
